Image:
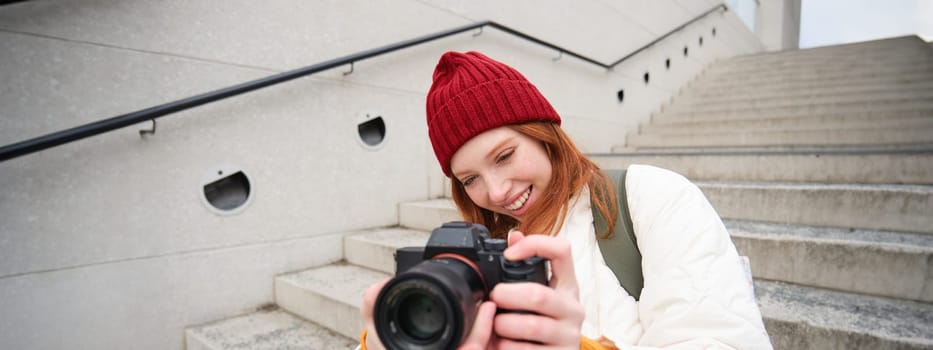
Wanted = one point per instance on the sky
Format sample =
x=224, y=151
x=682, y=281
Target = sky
x=828, y=22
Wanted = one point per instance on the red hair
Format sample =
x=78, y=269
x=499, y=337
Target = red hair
x=570, y=171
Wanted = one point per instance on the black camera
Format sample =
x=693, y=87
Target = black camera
x=433, y=299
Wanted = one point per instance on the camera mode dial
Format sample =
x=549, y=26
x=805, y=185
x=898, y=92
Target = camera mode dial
x=495, y=244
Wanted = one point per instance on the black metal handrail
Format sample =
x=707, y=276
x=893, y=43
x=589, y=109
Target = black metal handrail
x=61, y=137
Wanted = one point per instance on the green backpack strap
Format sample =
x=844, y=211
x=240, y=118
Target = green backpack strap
x=620, y=251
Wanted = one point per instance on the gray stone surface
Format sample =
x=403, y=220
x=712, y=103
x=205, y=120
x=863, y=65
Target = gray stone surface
x=917, y=92
x=858, y=260
x=738, y=93
x=427, y=215
x=329, y=295
x=807, y=318
x=375, y=249
x=823, y=136
x=784, y=166
x=818, y=143
x=265, y=330
x=890, y=264
x=883, y=207
x=839, y=121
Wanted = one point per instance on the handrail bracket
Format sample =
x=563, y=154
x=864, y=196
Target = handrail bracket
x=151, y=131
x=560, y=54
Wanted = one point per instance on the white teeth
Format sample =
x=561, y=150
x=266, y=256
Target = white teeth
x=520, y=202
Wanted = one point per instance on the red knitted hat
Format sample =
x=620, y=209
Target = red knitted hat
x=472, y=93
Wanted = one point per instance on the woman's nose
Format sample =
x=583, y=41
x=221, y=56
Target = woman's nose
x=498, y=189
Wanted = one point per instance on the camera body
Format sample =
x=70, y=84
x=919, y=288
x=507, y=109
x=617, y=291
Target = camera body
x=472, y=243
x=432, y=301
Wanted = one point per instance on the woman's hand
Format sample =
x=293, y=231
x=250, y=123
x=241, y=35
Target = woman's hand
x=558, y=313
x=369, y=302
x=479, y=338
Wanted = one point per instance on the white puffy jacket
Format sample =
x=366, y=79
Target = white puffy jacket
x=697, y=292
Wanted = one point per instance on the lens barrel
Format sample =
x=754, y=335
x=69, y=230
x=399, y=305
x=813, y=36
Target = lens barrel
x=430, y=306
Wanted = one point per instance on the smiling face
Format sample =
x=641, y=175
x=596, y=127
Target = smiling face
x=503, y=171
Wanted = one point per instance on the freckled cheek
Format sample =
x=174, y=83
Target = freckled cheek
x=477, y=196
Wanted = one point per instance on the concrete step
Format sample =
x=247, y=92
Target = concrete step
x=806, y=316
x=824, y=65
x=793, y=315
x=909, y=65
x=778, y=61
x=427, y=215
x=910, y=61
x=860, y=109
x=738, y=94
x=798, y=317
x=881, y=166
x=868, y=116
x=838, y=122
x=869, y=49
x=271, y=329
x=815, y=137
x=859, y=261
x=375, y=249
x=917, y=55
x=328, y=295
x=774, y=101
x=903, y=208
x=917, y=148
x=824, y=54
x=741, y=90
x=897, y=103
x=789, y=83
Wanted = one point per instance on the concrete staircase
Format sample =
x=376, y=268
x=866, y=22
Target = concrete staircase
x=820, y=161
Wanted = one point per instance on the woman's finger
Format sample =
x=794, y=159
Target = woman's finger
x=556, y=250
x=536, y=298
x=527, y=328
x=369, y=299
x=481, y=332
x=515, y=236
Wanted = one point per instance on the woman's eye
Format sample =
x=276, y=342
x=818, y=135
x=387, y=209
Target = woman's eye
x=505, y=156
x=468, y=181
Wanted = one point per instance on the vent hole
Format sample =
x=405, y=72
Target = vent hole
x=228, y=193
x=621, y=95
x=701, y=41
x=685, y=51
x=667, y=63
x=714, y=31
x=647, y=78
x=372, y=132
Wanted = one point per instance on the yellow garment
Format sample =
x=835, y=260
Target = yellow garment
x=585, y=343
x=601, y=344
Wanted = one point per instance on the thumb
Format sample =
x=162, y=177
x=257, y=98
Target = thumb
x=515, y=236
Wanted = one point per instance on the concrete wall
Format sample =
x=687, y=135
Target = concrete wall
x=106, y=243
x=778, y=24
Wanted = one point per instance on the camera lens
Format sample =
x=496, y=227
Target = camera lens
x=421, y=316
x=432, y=305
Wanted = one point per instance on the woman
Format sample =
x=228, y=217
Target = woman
x=515, y=171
